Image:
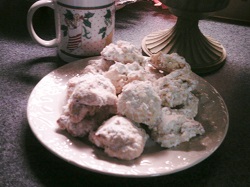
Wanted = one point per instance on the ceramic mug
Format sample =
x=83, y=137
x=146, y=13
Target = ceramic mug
x=83, y=27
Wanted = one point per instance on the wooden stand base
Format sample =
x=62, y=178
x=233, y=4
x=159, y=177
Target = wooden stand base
x=203, y=53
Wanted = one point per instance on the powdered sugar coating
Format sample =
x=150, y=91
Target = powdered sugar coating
x=123, y=52
x=124, y=83
x=175, y=88
x=152, y=74
x=79, y=129
x=84, y=101
x=88, y=90
x=88, y=123
x=140, y=103
x=175, y=129
x=169, y=62
x=189, y=108
x=98, y=66
x=120, y=138
x=121, y=74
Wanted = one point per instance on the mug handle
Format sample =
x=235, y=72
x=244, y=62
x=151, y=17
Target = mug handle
x=34, y=36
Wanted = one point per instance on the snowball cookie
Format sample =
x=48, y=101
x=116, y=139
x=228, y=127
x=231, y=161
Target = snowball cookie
x=169, y=62
x=88, y=76
x=189, y=109
x=123, y=52
x=140, y=103
x=90, y=122
x=174, y=89
x=152, y=74
x=121, y=74
x=175, y=129
x=97, y=66
x=120, y=138
x=88, y=93
x=79, y=129
x=94, y=90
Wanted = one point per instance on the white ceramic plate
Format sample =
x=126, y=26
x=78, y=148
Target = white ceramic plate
x=45, y=106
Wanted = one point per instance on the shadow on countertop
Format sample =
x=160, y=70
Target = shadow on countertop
x=13, y=15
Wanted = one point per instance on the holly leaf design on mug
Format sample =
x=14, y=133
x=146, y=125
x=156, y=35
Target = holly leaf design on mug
x=69, y=15
x=108, y=17
x=64, y=28
x=86, y=18
x=103, y=31
x=87, y=23
x=89, y=15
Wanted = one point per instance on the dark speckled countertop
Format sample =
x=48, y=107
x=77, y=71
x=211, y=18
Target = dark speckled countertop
x=23, y=63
